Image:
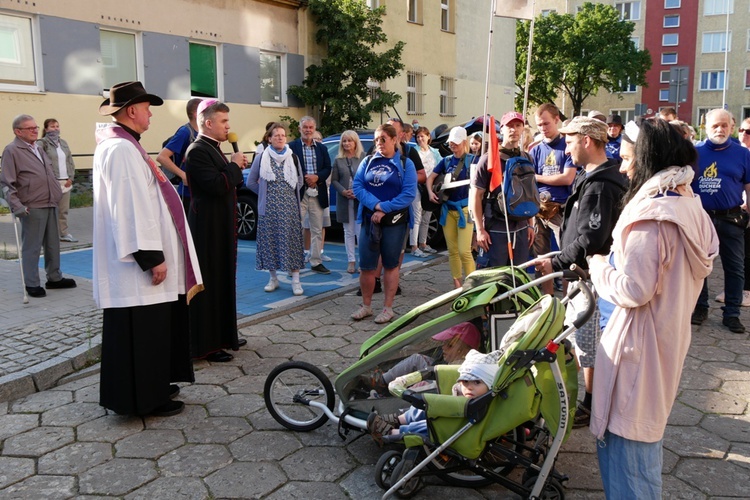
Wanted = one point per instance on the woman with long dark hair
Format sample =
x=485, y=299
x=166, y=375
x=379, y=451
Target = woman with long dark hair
x=664, y=246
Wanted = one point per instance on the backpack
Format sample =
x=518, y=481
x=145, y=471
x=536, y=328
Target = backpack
x=521, y=193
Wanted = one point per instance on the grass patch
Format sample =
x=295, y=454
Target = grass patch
x=83, y=199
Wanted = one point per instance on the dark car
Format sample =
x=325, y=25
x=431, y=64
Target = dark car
x=366, y=137
x=247, y=209
x=440, y=134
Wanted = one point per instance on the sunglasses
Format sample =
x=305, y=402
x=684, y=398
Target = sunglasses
x=381, y=139
x=744, y=131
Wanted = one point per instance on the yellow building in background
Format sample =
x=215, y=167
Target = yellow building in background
x=58, y=59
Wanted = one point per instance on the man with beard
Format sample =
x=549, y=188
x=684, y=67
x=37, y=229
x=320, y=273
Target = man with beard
x=590, y=215
x=723, y=173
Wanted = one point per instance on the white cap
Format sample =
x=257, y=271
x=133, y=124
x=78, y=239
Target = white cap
x=457, y=135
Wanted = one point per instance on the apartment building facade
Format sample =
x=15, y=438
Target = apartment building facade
x=58, y=59
x=692, y=70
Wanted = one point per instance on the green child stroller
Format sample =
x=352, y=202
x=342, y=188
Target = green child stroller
x=534, y=384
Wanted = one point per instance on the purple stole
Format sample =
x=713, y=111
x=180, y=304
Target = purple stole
x=170, y=197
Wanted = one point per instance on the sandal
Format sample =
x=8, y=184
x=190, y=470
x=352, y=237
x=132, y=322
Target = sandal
x=362, y=313
x=385, y=317
x=378, y=427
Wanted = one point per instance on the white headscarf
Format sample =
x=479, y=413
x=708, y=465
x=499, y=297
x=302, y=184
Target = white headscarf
x=284, y=159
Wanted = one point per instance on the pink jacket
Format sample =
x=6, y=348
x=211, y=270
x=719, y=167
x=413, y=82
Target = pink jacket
x=663, y=248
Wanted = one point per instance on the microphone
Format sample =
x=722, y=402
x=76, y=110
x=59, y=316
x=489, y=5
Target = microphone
x=232, y=138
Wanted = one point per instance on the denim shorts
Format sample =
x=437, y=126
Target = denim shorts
x=630, y=469
x=392, y=242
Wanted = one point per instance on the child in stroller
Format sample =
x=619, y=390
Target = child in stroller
x=457, y=341
x=476, y=375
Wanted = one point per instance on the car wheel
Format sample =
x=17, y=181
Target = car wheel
x=247, y=217
x=435, y=236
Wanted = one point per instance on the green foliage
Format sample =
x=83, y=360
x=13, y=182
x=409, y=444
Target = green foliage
x=337, y=89
x=578, y=55
x=85, y=198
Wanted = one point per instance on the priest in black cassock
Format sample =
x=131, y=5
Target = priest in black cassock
x=213, y=182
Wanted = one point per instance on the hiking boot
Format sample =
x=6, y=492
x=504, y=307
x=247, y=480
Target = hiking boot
x=378, y=427
x=582, y=417
x=733, y=324
x=700, y=314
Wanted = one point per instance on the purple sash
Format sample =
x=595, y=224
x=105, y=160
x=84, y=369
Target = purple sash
x=170, y=197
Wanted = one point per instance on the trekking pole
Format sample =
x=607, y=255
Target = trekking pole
x=20, y=259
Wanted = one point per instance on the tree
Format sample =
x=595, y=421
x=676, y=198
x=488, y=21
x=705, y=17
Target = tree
x=579, y=55
x=337, y=89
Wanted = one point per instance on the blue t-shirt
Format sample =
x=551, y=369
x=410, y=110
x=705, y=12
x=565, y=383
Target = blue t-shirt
x=447, y=165
x=613, y=148
x=178, y=144
x=723, y=170
x=549, y=158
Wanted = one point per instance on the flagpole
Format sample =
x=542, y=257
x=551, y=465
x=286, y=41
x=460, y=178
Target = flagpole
x=485, y=125
x=528, y=61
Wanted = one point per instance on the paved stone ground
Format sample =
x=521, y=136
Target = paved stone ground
x=59, y=443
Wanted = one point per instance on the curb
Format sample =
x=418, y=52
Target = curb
x=64, y=367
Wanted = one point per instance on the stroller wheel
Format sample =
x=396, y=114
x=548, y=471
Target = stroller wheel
x=412, y=486
x=385, y=467
x=552, y=490
x=289, y=390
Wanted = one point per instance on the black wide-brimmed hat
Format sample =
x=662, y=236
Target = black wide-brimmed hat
x=125, y=94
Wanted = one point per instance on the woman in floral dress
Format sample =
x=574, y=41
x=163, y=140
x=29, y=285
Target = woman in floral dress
x=279, y=240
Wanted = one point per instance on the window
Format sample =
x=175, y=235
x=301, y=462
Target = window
x=272, y=81
x=374, y=88
x=712, y=80
x=18, y=54
x=716, y=42
x=636, y=41
x=373, y=4
x=664, y=76
x=663, y=94
x=547, y=12
x=672, y=21
x=446, y=15
x=747, y=79
x=447, y=96
x=119, y=57
x=414, y=93
x=629, y=11
x=670, y=39
x=717, y=7
x=204, y=71
x=748, y=40
x=702, y=114
x=414, y=11
x=669, y=58
x=625, y=114
x=672, y=4
x=627, y=87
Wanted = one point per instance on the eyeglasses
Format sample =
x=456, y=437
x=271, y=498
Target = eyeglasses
x=28, y=128
x=380, y=140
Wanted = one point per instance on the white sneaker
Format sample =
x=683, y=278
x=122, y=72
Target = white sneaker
x=325, y=258
x=69, y=238
x=272, y=285
x=420, y=253
x=720, y=297
x=297, y=288
x=428, y=249
x=307, y=256
x=745, y=298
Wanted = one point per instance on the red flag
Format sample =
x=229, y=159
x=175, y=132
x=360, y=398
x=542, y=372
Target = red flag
x=494, y=166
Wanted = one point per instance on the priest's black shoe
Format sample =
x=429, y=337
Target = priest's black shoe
x=63, y=283
x=168, y=409
x=219, y=357
x=174, y=391
x=36, y=291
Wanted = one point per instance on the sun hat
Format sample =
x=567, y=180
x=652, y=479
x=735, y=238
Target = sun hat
x=124, y=94
x=465, y=331
x=457, y=135
x=479, y=366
